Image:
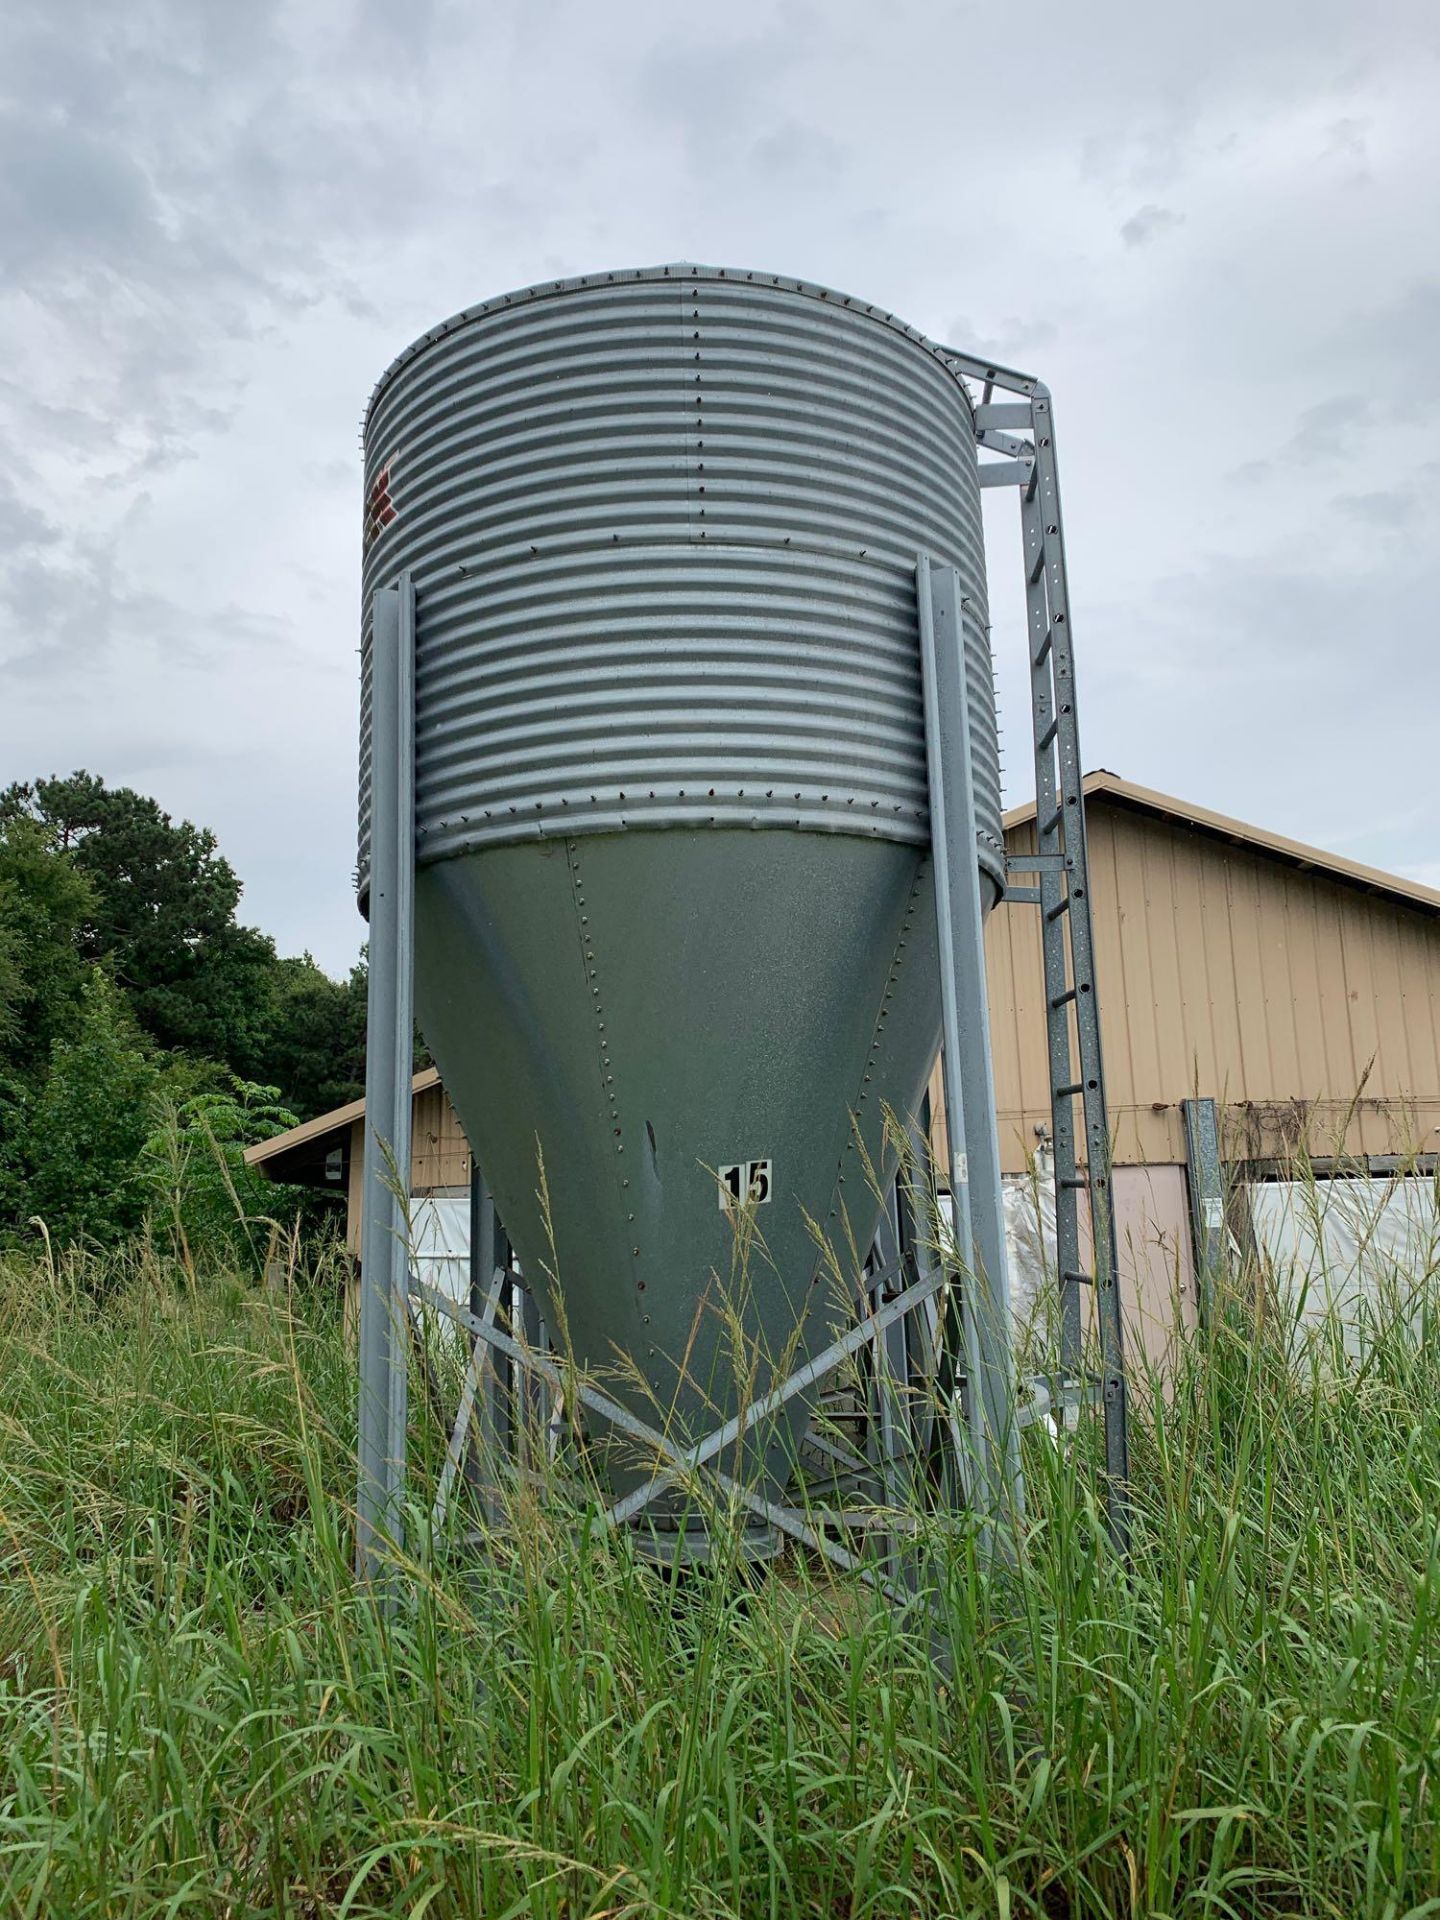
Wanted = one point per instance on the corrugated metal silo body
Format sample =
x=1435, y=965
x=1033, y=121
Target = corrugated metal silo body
x=673, y=905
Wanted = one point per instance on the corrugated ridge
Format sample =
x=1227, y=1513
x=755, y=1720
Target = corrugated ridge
x=663, y=535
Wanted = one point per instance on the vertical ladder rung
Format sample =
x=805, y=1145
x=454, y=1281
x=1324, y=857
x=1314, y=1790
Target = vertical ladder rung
x=1061, y=906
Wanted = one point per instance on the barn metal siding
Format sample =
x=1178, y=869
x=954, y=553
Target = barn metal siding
x=439, y=1151
x=1234, y=974
x=663, y=529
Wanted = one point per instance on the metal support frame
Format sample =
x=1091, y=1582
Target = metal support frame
x=385, y=1238
x=962, y=1331
x=484, y=1259
x=958, y=1325
x=1021, y=433
x=963, y=1319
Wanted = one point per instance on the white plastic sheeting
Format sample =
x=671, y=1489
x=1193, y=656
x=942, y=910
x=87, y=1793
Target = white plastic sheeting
x=1030, y=1251
x=1152, y=1240
x=1352, y=1247
x=440, y=1250
x=1029, y=1203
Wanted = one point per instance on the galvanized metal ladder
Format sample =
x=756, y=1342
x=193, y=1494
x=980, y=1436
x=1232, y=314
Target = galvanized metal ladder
x=1020, y=434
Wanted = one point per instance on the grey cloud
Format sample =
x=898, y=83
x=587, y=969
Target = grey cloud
x=408, y=32
x=1151, y=158
x=1260, y=688
x=69, y=605
x=233, y=216
x=68, y=202
x=794, y=152
x=1346, y=140
x=717, y=92
x=1390, y=507
x=199, y=202
x=1325, y=434
x=1283, y=611
x=22, y=524
x=1147, y=222
x=1010, y=340
x=1328, y=431
x=1397, y=342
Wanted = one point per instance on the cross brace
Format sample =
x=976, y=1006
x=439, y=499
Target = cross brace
x=699, y=1456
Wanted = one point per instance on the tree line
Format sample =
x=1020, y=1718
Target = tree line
x=145, y=1032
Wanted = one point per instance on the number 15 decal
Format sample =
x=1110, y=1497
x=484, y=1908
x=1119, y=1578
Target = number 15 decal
x=742, y=1181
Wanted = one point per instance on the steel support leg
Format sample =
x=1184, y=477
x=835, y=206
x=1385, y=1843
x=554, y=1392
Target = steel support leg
x=385, y=1250
x=482, y=1269
x=464, y=1447
x=529, y=1425
x=969, y=1080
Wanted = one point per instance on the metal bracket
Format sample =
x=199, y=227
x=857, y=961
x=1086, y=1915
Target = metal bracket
x=470, y=1390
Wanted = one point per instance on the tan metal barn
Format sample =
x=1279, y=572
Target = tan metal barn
x=1298, y=990
x=328, y=1151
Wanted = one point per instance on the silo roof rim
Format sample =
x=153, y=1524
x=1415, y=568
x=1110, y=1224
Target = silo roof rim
x=668, y=270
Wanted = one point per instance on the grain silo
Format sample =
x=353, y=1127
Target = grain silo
x=677, y=682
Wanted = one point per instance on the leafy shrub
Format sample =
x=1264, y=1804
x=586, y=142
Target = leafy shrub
x=192, y=1166
x=86, y=1125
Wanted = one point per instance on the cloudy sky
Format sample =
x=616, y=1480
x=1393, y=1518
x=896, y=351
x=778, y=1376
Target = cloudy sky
x=1214, y=229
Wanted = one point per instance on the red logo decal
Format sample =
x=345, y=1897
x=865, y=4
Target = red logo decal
x=379, y=507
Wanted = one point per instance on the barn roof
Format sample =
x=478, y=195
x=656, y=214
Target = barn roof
x=315, y=1133
x=1222, y=826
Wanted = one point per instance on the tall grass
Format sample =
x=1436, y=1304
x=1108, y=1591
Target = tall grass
x=199, y=1713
